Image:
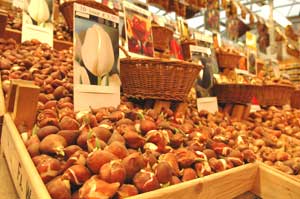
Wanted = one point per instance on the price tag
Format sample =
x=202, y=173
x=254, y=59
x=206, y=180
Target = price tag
x=200, y=49
x=85, y=11
x=209, y=104
x=203, y=37
x=254, y=108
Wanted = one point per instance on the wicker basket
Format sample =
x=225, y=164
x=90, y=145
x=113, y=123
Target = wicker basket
x=160, y=3
x=157, y=78
x=295, y=99
x=274, y=94
x=67, y=9
x=185, y=45
x=161, y=37
x=228, y=60
x=235, y=93
x=182, y=9
x=174, y=6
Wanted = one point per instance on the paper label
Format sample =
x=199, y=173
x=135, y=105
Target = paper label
x=203, y=37
x=44, y=35
x=86, y=11
x=200, y=49
x=86, y=96
x=209, y=104
x=254, y=108
x=96, y=58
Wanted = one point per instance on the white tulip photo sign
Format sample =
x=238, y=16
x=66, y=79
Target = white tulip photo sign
x=96, y=58
x=37, y=21
x=138, y=30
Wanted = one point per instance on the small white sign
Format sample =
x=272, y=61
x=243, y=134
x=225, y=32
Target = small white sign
x=203, y=37
x=86, y=96
x=44, y=35
x=254, y=108
x=200, y=49
x=209, y=104
x=85, y=11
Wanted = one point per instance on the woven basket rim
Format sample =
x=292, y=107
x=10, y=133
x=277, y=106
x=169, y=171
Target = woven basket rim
x=162, y=27
x=160, y=61
x=69, y=2
x=280, y=85
x=229, y=53
x=190, y=41
x=235, y=84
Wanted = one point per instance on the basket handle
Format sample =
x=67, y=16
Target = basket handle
x=124, y=51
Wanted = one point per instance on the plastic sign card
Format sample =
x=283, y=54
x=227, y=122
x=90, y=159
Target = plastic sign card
x=138, y=29
x=203, y=37
x=209, y=104
x=96, y=58
x=37, y=21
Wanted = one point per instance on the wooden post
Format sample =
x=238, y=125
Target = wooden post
x=25, y=106
x=228, y=108
x=3, y=21
x=246, y=111
x=160, y=104
x=237, y=111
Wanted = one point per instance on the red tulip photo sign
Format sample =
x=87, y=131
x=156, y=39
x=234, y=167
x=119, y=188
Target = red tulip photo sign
x=138, y=29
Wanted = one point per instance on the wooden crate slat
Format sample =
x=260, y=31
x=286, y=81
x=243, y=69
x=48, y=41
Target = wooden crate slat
x=25, y=177
x=223, y=185
x=272, y=184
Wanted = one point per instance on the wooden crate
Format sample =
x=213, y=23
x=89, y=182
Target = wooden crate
x=16, y=35
x=25, y=177
x=29, y=185
x=273, y=184
x=2, y=107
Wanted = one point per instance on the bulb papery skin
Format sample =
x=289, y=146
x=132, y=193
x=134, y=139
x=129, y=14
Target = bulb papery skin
x=97, y=51
x=80, y=74
x=39, y=11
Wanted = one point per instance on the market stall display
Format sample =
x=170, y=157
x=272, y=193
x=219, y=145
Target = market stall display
x=61, y=31
x=155, y=143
